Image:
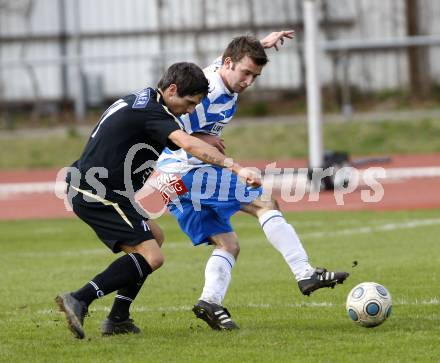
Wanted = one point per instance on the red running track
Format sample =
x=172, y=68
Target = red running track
x=408, y=193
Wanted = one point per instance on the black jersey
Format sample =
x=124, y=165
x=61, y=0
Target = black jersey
x=126, y=142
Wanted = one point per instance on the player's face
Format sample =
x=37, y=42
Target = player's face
x=240, y=75
x=186, y=104
x=180, y=105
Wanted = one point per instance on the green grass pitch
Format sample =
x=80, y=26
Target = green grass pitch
x=401, y=250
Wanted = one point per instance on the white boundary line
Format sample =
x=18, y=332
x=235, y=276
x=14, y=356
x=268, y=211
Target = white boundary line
x=381, y=228
x=7, y=189
x=388, y=227
x=326, y=304
x=392, y=175
x=24, y=188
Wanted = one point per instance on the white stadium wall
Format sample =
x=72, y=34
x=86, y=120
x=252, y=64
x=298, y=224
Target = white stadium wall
x=135, y=59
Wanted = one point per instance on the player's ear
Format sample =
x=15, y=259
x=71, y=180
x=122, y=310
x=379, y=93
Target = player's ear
x=172, y=90
x=228, y=62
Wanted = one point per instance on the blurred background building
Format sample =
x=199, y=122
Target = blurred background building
x=78, y=54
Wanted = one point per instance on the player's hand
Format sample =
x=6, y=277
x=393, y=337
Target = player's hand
x=212, y=140
x=272, y=39
x=252, y=177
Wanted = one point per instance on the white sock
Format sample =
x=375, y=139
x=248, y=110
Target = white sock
x=285, y=240
x=217, y=276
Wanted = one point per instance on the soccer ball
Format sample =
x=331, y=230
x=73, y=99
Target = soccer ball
x=369, y=304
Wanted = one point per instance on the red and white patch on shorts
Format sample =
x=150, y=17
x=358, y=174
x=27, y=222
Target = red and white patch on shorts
x=170, y=186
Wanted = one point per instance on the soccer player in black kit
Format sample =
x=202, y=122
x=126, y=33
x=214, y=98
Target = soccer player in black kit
x=116, y=162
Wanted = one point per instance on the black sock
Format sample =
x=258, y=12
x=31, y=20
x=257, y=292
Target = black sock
x=123, y=300
x=124, y=271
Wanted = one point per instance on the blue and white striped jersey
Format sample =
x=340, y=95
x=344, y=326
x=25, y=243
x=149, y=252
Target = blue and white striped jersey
x=210, y=117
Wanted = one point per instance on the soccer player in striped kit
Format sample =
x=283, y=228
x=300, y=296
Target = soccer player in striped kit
x=214, y=195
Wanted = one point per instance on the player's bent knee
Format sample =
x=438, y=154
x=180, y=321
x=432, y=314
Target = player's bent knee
x=227, y=242
x=150, y=250
x=232, y=248
x=258, y=207
x=155, y=261
x=236, y=250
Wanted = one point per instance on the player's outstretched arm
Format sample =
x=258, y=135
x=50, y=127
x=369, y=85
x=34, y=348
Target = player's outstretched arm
x=274, y=38
x=269, y=41
x=209, y=154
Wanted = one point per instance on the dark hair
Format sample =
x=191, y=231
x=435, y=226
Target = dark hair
x=188, y=77
x=243, y=46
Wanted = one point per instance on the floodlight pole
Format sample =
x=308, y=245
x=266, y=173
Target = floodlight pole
x=313, y=85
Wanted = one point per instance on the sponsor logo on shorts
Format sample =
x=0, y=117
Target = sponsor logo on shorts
x=170, y=186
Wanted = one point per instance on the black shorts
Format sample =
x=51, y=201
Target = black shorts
x=114, y=224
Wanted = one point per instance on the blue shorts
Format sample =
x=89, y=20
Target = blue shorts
x=214, y=195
